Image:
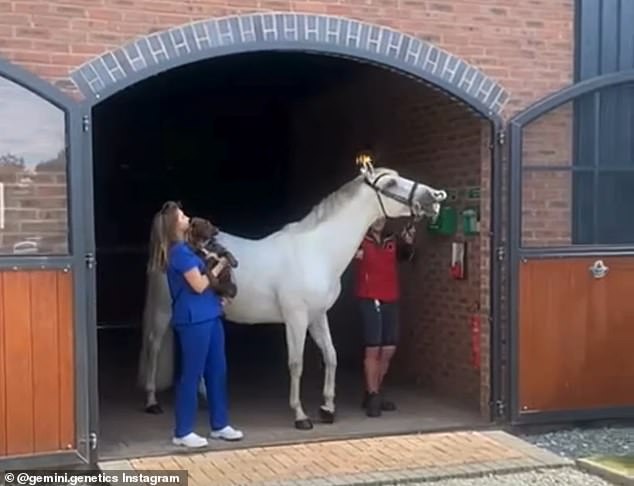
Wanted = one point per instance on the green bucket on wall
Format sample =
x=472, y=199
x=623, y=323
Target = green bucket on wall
x=446, y=223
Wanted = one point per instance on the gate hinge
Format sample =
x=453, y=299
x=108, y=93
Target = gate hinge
x=91, y=261
x=500, y=408
x=501, y=137
x=85, y=123
x=500, y=252
x=92, y=440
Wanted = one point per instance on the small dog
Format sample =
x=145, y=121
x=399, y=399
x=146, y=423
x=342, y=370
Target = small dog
x=202, y=237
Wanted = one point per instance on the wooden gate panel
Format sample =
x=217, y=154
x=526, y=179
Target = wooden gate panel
x=18, y=362
x=66, y=361
x=36, y=324
x=3, y=386
x=46, y=372
x=575, y=334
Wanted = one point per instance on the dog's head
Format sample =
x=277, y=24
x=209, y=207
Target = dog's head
x=201, y=230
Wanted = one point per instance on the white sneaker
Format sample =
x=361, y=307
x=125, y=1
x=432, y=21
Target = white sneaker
x=192, y=440
x=227, y=433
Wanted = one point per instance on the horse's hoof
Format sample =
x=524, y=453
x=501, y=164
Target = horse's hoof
x=326, y=416
x=154, y=409
x=304, y=424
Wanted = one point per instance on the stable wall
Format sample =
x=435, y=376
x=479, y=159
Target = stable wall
x=425, y=136
x=525, y=46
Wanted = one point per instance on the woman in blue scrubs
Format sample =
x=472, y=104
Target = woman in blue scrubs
x=197, y=320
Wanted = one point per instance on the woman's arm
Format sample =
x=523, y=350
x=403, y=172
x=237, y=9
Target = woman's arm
x=185, y=261
x=196, y=280
x=199, y=281
x=405, y=244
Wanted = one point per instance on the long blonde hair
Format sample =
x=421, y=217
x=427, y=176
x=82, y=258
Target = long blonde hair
x=162, y=235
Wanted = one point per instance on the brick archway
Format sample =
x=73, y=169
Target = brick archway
x=322, y=34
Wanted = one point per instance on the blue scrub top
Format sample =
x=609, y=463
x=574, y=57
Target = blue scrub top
x=188, y=306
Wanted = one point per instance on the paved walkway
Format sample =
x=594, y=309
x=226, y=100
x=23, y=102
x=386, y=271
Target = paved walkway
x=376, y=460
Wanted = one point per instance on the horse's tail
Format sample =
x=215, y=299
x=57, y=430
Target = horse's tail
x=164, y=364
x=157, y=332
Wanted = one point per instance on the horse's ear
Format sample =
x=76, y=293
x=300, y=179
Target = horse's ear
x=365, y=162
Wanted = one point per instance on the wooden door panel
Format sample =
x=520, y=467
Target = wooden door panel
x=575, y=334
x=46, y=373
x=66, y=359
x=3, y=387
x=18, y=362
x=36, y=362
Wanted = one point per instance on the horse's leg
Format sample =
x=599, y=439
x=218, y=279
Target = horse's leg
x=155, y=339
x=296, y=325
x=202, y=389
x=320, y=332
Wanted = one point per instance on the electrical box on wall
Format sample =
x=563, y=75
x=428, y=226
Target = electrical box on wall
x=471, y=221
x=458, y=260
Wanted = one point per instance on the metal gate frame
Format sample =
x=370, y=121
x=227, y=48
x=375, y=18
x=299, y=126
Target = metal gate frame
x=73, y=261
x=517, y=253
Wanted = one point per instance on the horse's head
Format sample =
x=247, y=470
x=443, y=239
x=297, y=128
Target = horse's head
x=398, y=196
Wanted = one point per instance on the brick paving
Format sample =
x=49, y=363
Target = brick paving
x=377, y=460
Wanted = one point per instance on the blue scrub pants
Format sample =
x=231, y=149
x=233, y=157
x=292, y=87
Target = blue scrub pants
x=202, y=354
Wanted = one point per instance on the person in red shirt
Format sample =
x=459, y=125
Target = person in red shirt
x=377, y=289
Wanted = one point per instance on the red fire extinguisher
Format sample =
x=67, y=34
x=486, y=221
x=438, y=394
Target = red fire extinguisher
x=474, y=325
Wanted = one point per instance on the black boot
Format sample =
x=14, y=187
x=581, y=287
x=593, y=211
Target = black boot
x=386, y=405
x=373, y=405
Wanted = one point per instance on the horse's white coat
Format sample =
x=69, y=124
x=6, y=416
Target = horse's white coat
x=292, y=276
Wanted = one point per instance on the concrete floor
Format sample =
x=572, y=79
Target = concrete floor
x=258, y=406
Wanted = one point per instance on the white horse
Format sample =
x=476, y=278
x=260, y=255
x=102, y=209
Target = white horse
x=292, y=276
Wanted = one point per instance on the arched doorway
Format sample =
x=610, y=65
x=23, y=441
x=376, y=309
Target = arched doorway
x=307, y=35
x=287, y=31
x=451, y=88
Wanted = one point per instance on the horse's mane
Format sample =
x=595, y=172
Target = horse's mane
x=330, y=205
x=325, y=209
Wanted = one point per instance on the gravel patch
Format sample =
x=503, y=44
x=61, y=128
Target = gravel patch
x=584, y=442
x=544, y=477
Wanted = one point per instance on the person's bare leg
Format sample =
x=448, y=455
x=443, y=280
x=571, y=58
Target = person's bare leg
x=386, y=354
x=372, y=368
x=385, y=358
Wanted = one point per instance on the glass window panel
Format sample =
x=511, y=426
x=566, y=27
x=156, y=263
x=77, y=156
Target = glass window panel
x=546, y=208
x=583, y=208
x=33, y=179
x=616, y=126
x=614, y=202
x=548, y=140
x=572, y=193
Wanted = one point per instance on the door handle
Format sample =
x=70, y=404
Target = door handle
x=598, y=270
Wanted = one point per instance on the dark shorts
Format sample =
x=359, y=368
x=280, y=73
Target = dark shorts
x=380, y=326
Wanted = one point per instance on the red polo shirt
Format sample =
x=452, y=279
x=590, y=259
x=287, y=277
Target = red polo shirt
x=377, y=275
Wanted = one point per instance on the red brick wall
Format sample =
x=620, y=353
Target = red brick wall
x=525, y=46
x=427, y=137
x=436, y=341
x=547, y=195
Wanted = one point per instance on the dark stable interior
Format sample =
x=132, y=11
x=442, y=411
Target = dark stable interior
x=218, y=136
